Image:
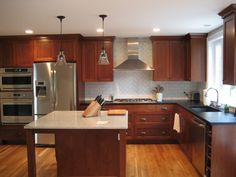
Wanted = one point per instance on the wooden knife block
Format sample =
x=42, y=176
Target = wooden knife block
x=92, y=110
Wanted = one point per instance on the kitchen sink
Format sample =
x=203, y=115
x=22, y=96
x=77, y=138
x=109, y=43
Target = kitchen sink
x=204, y=109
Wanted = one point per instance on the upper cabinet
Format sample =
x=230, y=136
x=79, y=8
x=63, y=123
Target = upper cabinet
x=229, y=16
x=196, y=57
x=16, y=51
x=22, y=51
x=46, y=48
x=169, y=58
x=91, y=49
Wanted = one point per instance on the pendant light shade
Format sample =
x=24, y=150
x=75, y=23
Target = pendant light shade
x=103, y=58
x=61, y=59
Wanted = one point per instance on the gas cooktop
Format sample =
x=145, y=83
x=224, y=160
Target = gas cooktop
x=134, y=100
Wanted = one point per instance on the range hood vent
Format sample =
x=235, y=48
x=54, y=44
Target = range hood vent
x=133, y=62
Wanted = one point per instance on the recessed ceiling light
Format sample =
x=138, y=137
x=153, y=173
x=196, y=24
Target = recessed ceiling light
x=29, y=31
x=207, y=25
x=99, y=30
x=156, y=29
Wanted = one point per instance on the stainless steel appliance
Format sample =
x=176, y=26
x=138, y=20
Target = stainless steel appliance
x=16, y=107
x=54, y=88
x=198, y=144
x=12, y=79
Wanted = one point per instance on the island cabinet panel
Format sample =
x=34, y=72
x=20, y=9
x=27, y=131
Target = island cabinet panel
x=196, y=57
x=148, y=123
x=229, y=50
x=92, y=72
x=169, y=58
x=16, y=51
x=12, y=134
x=47, y=47
x=91, y=153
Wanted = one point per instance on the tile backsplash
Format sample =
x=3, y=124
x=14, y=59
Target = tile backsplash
x=137, y=84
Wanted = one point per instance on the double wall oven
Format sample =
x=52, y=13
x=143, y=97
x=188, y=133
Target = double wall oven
x=16, y=97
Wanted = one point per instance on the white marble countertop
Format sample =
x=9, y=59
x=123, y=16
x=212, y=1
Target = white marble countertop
x=74, y=120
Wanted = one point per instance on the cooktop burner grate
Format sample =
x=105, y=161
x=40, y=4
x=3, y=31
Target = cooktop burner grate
x=134, y=100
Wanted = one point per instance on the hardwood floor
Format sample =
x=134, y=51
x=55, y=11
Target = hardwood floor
x=161, y=160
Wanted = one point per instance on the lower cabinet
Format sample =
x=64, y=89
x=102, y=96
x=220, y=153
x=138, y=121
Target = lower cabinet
x=221, y=151
x=184, y=136
x=148, y=123
x=12, y=134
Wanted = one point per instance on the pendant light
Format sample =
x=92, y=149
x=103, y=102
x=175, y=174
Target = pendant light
x=61, y=59
x=103, y=58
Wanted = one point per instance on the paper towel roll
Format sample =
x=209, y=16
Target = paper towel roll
x=205, y=99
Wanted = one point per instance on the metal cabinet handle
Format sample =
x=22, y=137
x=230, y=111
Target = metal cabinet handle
x=164, y=108
x=198, y=122
x=143, y=133
x=143, y=119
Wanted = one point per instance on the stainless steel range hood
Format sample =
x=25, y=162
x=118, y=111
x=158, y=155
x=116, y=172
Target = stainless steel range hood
x=133, y=62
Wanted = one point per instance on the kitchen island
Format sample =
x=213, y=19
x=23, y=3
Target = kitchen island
x=92, y=147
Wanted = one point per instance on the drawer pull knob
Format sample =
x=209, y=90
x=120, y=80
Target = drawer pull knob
x=143, y=133
x=163, y=118
x=143, y=119
x=163, y=132
x=164, y=108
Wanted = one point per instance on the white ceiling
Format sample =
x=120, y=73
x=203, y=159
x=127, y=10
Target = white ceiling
x=126, y=18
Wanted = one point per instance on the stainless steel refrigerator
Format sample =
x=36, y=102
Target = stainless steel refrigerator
x=54, y=88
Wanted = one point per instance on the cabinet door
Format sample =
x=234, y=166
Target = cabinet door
x=23, y=52
x=16, y=52
x=69, y=47
x=161, y=56
x=177, y=60
x=105, y=72
x=196, y=57
x=7, y=54
x=229, y=76
x=44, y=50
x=88, y=61
x=184, y=135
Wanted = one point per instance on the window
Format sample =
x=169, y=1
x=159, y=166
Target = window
x=215, y=70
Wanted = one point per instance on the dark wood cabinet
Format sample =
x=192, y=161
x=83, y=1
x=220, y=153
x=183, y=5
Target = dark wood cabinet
x=12, y=134
x=148, y=123
x=16, y=51
x=184, y=136
x=196, y=57
x=92, y=72
x=22, y=51
x=46, y=48
x=169, y=58
x=229, y=56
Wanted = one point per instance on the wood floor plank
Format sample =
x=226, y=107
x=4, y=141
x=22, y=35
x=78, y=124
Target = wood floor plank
x=143, y=160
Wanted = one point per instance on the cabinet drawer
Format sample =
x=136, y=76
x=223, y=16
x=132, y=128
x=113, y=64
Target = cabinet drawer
x=164, y=108
x=153, y=131
x=162, y=118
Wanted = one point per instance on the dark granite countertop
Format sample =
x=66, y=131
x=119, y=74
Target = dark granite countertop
x=209, y=117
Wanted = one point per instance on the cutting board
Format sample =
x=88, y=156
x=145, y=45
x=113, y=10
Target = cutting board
x=116, y=112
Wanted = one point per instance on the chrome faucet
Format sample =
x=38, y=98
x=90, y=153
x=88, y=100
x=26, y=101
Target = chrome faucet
x=217, y=97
